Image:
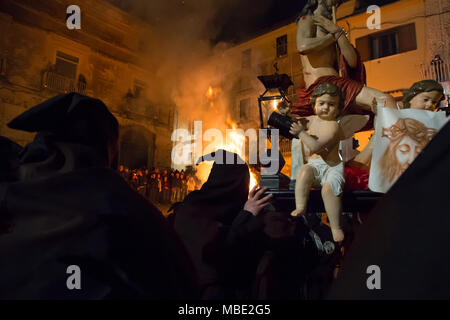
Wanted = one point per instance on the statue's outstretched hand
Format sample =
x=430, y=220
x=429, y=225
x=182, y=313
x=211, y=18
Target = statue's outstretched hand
x=325, y=23
x=296, y=128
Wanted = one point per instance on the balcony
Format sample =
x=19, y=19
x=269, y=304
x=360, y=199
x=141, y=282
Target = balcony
x=56, y=82
x=437, y=70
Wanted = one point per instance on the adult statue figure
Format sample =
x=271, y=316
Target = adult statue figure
x=328, y=56
x=317, y=37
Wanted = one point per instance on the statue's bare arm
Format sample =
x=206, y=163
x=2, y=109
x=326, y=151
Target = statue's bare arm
x=306, y=38
x=348, y=51
x=344, y=45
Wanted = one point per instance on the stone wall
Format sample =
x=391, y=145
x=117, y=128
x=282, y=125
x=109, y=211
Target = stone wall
x=438, y=29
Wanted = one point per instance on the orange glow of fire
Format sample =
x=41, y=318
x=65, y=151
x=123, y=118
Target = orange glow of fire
x=235, y=144
x=210, y=92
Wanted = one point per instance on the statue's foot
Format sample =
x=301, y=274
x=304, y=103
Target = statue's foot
x=338, y=235
x=297, y=212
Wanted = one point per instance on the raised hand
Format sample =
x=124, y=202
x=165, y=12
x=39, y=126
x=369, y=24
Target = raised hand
x=326, y=24
x=256, y=202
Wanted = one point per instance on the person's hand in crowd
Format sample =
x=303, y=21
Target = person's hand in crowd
x=257, y=201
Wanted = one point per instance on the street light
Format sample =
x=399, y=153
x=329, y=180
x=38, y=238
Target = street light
x=276, y=86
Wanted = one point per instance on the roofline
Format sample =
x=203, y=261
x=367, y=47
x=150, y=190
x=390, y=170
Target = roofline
x=289, y=21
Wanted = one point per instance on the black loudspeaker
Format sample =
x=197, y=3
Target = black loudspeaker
x=282, y=123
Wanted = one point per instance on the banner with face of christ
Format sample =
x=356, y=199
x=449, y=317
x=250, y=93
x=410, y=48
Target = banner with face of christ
x=400, y=135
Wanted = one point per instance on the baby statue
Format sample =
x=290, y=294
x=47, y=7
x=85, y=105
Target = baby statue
x=423, y=95
x=325, y=167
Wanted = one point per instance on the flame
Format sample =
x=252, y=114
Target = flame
x=236, y=145
x=274, y=104
x=210, y=92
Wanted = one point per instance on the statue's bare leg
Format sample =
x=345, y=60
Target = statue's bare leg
x=333, y=207
x=303, y=184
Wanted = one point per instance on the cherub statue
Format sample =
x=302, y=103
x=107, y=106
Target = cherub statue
x=423, y=95
x=325, y=167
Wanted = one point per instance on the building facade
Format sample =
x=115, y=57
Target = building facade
x=40, y=58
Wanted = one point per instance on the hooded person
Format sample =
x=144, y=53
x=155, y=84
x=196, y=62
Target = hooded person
x=9, y=164
x=9, y=159
x=75, y=221
x=212, y=221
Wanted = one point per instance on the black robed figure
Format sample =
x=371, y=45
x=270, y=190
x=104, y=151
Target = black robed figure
x=71, y=208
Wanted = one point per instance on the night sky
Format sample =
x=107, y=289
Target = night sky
x=253, y=17
x=222, y=20
x=231, y=21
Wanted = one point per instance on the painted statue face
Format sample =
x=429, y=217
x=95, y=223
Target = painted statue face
x=327, y=107
x=324, y=8
x=406, y=151
x=426, y=100
x=331, y=3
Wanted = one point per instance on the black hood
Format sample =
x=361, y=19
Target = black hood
x=226, y=190
x=70, y=118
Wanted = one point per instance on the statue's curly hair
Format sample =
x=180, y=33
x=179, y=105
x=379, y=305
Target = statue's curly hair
x=419, y=87
x=327, y=88
x=309, y=8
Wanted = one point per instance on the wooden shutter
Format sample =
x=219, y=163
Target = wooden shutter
x=363, y=47
x=407, y=38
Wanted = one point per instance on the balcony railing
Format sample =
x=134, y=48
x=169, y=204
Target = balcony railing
x=438, y=71
x=57, y=82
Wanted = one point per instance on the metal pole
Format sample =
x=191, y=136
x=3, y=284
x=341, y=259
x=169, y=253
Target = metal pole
x=260, y=113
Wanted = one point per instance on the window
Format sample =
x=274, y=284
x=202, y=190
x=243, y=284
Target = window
x=246, y=59
x=244, y=109
x=139, y=88
x=387, y=43
x=282, y=46
x=66, y=65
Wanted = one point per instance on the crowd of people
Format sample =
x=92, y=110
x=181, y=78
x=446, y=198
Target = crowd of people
x=162, y=186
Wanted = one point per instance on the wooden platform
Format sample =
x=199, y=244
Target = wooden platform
x=353, y=201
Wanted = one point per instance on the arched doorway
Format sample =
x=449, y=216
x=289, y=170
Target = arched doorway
x=137, y=148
